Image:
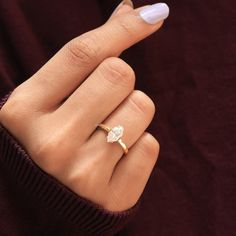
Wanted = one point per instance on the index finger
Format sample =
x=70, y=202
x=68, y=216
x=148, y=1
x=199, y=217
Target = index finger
x=64, y=72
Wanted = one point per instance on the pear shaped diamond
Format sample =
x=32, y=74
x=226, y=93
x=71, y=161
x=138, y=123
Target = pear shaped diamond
x=115, y=134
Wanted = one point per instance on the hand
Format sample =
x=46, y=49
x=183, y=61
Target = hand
x=54, y=115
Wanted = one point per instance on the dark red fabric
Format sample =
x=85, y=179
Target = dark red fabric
x=44, y=195
x=187, y=68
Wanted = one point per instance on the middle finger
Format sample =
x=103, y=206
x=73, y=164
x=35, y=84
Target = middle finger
x=98, y=96
x=58, y=78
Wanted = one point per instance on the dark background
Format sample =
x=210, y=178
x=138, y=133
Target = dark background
x=188, y=69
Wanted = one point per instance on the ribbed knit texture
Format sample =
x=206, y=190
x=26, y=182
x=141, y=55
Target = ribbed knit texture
x=81, y=214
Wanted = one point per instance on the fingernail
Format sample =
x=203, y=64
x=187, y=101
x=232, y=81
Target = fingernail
x=124, y=2
x=128, y=2
x=155, y=13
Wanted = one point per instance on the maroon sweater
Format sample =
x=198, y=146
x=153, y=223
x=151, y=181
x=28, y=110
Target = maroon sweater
x=187, y=68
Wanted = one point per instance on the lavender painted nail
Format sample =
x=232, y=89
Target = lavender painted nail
x=154, y=13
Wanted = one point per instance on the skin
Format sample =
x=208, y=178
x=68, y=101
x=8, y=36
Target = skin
x=54, y=114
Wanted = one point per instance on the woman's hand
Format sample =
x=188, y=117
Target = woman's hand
x=55, y=114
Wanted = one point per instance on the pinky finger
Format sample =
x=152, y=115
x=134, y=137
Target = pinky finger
x=132, y=172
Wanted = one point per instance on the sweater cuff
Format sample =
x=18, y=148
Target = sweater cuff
x=80, y=214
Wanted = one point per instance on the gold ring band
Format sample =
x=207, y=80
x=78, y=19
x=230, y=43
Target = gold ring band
x=114, y=135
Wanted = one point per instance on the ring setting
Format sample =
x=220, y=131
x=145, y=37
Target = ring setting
x=114, y=135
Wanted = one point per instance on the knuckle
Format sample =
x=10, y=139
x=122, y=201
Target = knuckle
x=7, y=112
x=126, y=25
x=80, y=178
x=11, y=111
x=49, y=154
x=150, y=146
x=45, y=148
x=142, y=103
x=82, y=50
x=118, y=72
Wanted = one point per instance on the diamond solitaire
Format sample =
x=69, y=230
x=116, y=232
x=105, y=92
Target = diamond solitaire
x=115, y=134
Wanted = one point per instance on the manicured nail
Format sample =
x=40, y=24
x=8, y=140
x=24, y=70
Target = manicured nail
x=155, y=13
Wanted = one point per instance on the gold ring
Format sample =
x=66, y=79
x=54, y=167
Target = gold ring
x=114, y=135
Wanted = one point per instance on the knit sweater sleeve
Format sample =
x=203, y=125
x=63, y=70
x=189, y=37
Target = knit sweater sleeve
x=81, y=215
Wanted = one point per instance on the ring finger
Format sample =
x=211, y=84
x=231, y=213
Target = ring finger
x=134, y=114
